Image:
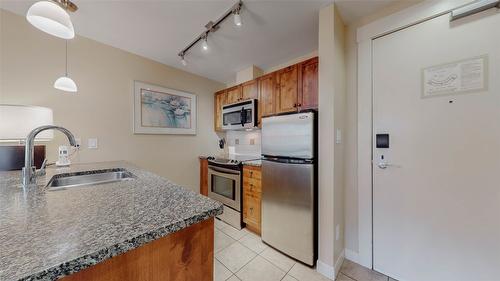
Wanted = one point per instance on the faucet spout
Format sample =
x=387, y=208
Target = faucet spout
x=29, y=171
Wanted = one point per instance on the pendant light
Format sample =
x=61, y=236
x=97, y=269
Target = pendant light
x=64, y=83
x=52, y=17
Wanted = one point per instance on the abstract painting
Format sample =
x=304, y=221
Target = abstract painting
x=159, y=110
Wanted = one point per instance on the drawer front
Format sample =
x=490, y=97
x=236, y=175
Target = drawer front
x=252, y=173
x=252, y=185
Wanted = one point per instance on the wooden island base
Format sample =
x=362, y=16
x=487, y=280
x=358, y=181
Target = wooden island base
x=186, y=255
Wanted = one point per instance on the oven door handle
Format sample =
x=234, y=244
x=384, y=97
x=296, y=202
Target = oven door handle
x=222, y=170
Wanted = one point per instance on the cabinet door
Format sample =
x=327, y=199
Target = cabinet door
x=252, y=197
x=234, y=94
x=220, y=100
x=267, y=86
x=288, y=89
x=308, y=84
x=251, y=211
x=249, y=90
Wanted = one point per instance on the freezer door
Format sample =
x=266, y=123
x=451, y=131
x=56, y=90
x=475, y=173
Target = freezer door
x=289, y=135
x=288, y=206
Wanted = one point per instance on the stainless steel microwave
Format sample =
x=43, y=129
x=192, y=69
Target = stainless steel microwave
x=240, y=115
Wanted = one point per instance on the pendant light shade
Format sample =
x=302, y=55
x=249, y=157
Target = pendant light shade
x=51, y=18
x=66, y=84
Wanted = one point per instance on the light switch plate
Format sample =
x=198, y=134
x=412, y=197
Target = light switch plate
x=338, y=138
x=92, y=143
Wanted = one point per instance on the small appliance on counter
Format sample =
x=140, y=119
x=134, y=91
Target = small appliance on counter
x=225, y=185
x=63, y=160
x=240, y=115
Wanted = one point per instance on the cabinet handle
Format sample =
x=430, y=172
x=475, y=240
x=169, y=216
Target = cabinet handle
x=300, y=104
x=294, y=105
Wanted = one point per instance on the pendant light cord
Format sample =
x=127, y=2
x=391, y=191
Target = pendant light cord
x=66, y=58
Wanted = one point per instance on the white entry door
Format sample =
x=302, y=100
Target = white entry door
x=436, y=192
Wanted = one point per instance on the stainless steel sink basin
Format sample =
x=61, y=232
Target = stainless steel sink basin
x=84, y=178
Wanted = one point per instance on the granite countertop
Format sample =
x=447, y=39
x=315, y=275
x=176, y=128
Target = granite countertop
x=45, y=235
x=255, y=163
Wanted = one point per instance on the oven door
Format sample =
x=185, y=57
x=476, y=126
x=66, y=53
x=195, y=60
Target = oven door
x=224, y=185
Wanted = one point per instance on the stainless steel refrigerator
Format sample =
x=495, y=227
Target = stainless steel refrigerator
x=289, y=213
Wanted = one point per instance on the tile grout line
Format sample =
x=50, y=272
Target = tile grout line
x=288, y=272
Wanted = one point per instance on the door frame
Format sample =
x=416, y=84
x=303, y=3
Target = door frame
x=365, y=35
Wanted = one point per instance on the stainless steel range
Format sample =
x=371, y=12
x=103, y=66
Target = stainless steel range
x=224, y=185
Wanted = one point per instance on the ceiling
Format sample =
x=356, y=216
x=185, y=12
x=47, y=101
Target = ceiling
x=273, y=31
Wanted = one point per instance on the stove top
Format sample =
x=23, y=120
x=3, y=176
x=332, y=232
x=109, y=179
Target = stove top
x=231, y=160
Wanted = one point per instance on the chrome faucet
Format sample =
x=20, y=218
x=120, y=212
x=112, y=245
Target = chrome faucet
x=30, y=173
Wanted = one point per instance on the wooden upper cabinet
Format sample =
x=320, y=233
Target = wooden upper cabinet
x=288, y=90
x=308, y=84
x=267, y=85
x=219, y=100
x=233, y=94
x=249, y=90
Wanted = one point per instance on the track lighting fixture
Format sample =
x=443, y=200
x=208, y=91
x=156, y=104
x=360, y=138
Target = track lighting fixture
x=183, y=61
x=204, y=44
x=52, y=17
x=211, y=27
x=237, y=17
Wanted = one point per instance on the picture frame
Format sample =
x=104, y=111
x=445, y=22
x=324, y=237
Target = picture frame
x=159, y=110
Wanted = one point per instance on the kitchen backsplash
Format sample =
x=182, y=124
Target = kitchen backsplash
x=244, y=142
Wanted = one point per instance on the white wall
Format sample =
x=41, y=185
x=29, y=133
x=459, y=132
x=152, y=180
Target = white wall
x=326, y=136
x=31, y=60
x=340, y=104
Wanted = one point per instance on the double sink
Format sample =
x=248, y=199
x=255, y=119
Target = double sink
x=85, y=178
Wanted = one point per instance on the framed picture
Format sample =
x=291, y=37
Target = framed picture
x=160, y=110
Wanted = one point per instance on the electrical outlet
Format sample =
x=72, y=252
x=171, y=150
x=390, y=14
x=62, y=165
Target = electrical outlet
x=237, y=141
x=252, y=141
x=92, y=143
x=337, y=232
x=78, y=143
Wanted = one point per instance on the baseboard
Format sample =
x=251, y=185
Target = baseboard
x=352, y=256
x=338, y=263
x=325, y=270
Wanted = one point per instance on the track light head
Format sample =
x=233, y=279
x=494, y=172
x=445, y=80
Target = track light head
x=204, y=44
x=237, y=19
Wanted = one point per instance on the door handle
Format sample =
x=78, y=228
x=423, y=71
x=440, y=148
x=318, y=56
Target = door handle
x=385, y=165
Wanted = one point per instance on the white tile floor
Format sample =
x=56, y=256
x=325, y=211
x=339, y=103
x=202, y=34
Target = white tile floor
x=241, y=255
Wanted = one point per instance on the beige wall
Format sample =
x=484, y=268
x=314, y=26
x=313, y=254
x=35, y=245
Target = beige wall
x=102, y=108
x=340, y=105
x=326, y=135
x=292, y=61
